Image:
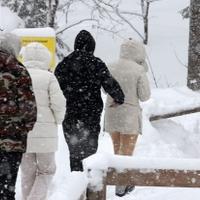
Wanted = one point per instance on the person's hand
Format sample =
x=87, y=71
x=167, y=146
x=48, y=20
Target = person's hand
x=114, y=105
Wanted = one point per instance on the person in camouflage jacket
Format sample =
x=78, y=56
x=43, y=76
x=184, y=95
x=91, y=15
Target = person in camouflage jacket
x=17, y=113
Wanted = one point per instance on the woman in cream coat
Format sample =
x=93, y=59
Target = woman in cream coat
x=124, y=122
x=38, y=164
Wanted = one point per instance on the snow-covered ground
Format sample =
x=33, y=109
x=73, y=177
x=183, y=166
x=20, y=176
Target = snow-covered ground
x=172, y=138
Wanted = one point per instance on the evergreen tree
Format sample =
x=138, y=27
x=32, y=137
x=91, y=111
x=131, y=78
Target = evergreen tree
x=33, y=12
x=14, y=5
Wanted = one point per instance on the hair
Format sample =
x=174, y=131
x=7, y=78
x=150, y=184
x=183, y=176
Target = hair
x=10, y=43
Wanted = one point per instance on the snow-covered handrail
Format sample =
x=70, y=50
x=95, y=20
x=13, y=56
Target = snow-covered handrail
x=171, y=102
x=104, y=161
x=174, y=114
x=105, y=169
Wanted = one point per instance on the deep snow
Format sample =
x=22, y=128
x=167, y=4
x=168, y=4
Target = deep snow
x=172, y=138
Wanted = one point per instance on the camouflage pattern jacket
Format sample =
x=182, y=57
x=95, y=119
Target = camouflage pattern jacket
x=17, y=104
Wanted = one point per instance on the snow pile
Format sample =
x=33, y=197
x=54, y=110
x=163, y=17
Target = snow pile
x=168, y=100
x=75, y=185
x=9, y=20
x=35, y=32
x=105, y=161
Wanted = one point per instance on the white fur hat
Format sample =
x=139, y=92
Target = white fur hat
x=134, y=50
x=36, y=51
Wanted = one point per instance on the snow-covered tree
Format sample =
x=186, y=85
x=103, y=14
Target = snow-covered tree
x=193, y=79
x=35, y=13
x=12, y=4
x=105, y=15
x=110, y=11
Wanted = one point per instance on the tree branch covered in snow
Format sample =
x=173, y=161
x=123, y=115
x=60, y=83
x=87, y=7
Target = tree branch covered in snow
x=185, y=12
x=52, y=12
x=106, y=15
x=129, y=23
x=110, y=11
x=145, y=6
x=75, y=24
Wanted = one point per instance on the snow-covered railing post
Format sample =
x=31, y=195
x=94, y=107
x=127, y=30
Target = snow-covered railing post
x=97, y=184
x=125, y=170
x=96, y=174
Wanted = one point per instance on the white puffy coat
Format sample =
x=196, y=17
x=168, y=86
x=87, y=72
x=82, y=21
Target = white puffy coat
x=50, y=100
x=132, y=78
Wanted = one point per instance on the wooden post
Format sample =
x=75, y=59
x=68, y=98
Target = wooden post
x=142, y=172
x=82, y=197
x=94, y=194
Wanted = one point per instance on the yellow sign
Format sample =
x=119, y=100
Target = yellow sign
x=49, y=42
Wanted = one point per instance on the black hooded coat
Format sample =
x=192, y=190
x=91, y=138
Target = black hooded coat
x=81, y=76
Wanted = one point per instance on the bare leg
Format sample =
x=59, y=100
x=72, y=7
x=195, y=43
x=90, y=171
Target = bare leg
x=127, y=144
x=116, y=141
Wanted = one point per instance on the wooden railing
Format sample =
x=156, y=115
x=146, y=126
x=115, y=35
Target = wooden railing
x=147, y=177
x=174, y=114
x=158, y=177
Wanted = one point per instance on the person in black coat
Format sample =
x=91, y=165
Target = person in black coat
x=81, y=76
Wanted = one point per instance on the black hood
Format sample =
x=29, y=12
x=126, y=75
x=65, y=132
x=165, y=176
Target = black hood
x=84, y=41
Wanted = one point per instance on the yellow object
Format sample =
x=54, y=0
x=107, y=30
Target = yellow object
x=46, y=36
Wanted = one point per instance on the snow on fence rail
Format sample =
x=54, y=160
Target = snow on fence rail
x=175, y=114
x=104, y=169
x=171, y=102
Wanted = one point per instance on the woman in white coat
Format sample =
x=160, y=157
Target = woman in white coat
x=124, y=122
x=38, y=164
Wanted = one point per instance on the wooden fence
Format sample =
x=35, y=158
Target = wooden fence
x=152, y=176
x=157, y=177
x=145, y=177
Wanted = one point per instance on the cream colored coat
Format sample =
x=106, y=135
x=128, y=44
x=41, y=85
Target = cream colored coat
x=132, y=78
x=50, y=100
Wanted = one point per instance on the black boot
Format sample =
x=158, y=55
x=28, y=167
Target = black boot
x=123, y=190
x=120, y=191
x=129, y=189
